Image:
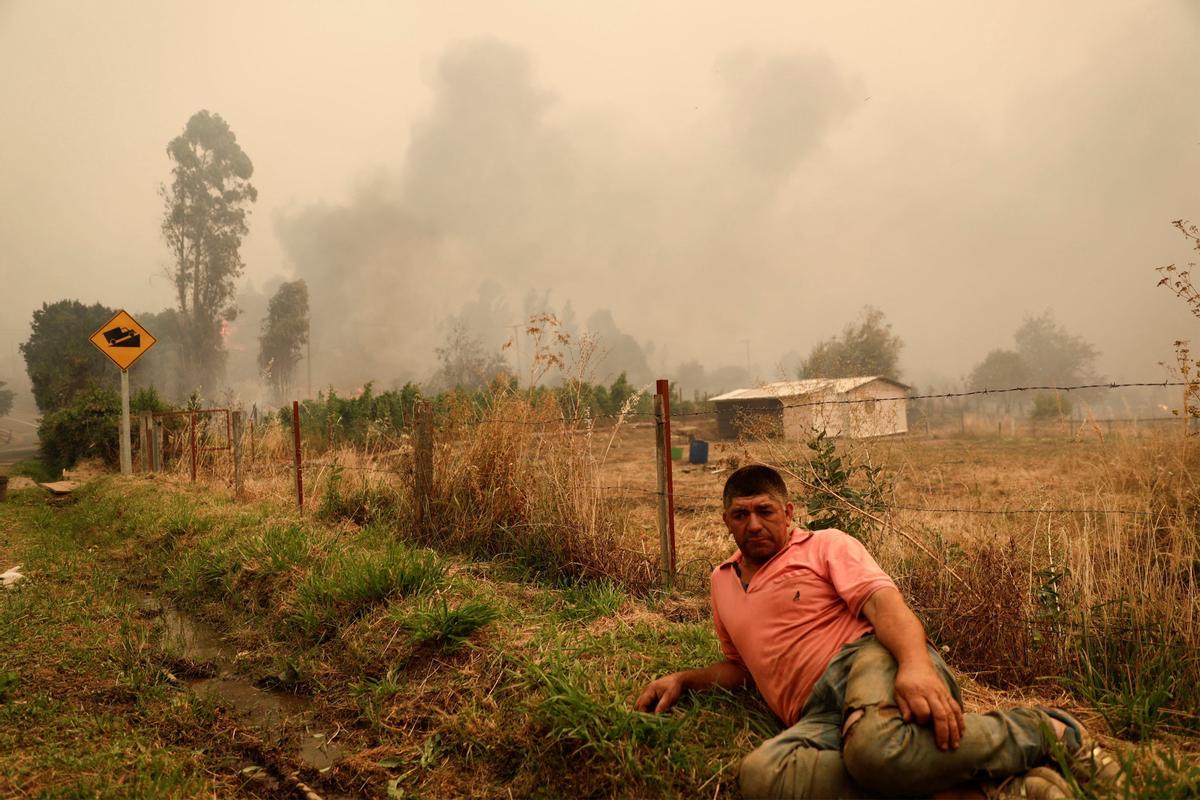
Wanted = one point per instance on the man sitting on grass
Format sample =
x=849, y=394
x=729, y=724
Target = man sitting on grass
x=872, y=709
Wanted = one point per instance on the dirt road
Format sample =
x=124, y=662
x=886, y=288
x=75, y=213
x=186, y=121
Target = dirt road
x=18, y=441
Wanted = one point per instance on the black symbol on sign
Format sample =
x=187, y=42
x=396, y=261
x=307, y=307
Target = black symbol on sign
x=123, y=337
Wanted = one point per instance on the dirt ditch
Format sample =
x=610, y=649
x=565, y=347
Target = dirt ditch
x=206, y=664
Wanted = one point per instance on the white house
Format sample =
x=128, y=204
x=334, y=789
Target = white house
x=854, y=407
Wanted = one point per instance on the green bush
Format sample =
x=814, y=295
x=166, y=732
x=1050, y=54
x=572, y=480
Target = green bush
x=90, y=427
x=1050, y=406
x=353, y=420
x=843, y=485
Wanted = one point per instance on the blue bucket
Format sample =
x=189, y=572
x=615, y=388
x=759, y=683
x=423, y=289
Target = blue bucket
x=698, y=452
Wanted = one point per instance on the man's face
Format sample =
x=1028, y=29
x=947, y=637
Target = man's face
x=759, y=525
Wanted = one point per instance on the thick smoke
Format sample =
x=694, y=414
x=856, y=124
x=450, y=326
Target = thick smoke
x=504, y=207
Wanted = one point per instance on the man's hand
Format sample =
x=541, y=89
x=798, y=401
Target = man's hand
x=661, y=694
x=922, y=695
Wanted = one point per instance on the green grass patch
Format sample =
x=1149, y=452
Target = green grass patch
x=344, y=586
x=588, y=601
x=84, y=708
x=35, y=469
x=574, y=717
x=442, y=626
x=1130, y=673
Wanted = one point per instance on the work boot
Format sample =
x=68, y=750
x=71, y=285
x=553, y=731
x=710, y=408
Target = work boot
x=1086, y=759
x=1039, y=783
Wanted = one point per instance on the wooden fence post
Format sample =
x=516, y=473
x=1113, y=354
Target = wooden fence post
x=423, y=464
x=666, y=487
x=157, y=436
x=237, y=455
x=299, y=464
x=144, y=441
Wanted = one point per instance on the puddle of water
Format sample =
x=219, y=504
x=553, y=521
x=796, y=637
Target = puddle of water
x=265, y=709
x=194, y=640
x=319, y=753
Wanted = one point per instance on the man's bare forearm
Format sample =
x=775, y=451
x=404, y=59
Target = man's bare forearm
x=898, y=628
x=662, y=693
x=921, y=693
x=725, y=674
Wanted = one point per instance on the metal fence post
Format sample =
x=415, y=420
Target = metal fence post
x=666, y=487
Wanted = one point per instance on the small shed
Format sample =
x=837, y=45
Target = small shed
x=856, y=407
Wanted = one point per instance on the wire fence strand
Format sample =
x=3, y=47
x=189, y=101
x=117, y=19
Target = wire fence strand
x=589, y=418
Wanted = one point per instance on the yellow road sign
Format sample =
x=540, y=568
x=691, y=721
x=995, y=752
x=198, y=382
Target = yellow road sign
x=123, y=340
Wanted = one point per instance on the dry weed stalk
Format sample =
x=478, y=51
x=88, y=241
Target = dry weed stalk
x=522, y=482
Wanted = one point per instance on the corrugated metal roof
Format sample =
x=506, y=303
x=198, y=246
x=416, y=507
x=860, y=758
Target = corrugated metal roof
x=823, y=386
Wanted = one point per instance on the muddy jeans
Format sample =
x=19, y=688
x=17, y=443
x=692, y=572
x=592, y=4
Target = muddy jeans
x=881, y=755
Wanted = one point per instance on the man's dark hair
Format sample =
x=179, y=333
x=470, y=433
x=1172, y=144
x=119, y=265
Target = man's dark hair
x=754, y=479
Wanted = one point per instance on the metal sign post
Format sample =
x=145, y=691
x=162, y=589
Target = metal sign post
x=124, y=341
x=126, y=449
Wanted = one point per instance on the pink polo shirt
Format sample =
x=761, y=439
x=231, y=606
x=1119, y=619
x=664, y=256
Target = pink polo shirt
x=798, y=611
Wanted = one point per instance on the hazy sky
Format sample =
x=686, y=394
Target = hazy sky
x=710, y=173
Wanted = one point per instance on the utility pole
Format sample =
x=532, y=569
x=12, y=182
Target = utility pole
x=308, y=359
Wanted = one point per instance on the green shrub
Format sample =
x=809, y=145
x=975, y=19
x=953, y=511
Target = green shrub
x=1047, y=405
x=90, y=427
x=841, y=487
x=354, y=420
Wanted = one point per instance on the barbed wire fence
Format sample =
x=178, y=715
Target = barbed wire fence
x=407, y=471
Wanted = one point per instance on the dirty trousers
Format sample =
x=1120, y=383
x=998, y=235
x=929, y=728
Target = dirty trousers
x=882, y=755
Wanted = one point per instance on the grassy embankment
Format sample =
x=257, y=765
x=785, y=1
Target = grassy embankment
x=444, y=677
